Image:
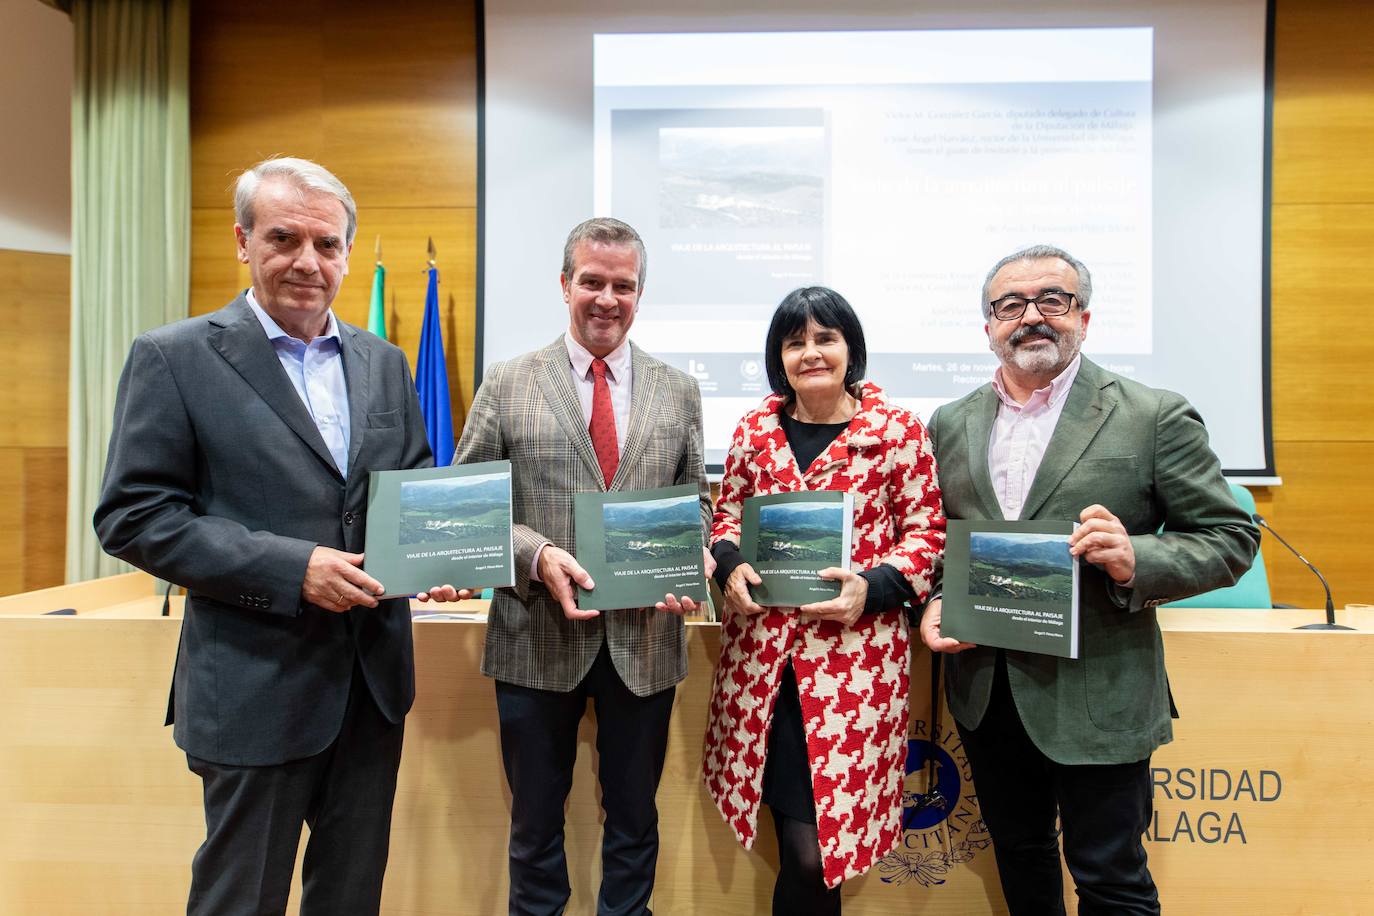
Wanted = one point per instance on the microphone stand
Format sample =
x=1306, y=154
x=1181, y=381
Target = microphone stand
x=1330, y=605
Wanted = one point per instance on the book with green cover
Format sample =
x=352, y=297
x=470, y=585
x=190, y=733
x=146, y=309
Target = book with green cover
x=1013, y=585
x=440, y=526
x=639, y=546
x=790, y=537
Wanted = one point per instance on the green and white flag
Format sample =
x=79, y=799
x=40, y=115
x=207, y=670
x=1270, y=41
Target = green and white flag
x=376, y=315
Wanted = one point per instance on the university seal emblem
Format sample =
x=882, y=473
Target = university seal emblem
x=941, y=824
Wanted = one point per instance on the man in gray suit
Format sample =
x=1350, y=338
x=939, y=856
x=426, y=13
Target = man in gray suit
x=589, y=412
x=1055, y=436
x=238, y=467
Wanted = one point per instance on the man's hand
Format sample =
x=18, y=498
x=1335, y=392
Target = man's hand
x=335, y=581
x=1102, y=540
x=930, y=631
x=446, y=593
x=736, y=591
x=561, y=573
x=673, y=605
x=846, y=607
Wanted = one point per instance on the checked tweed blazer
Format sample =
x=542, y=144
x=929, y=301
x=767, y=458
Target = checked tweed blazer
x=527, y=411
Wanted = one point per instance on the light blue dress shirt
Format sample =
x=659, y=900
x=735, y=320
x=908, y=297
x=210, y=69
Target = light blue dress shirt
x=316, y=372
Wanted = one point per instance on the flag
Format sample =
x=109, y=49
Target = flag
x=376, y=316
x=431, y=378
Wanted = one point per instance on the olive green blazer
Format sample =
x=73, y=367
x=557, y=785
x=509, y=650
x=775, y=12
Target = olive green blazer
x=1143, y=453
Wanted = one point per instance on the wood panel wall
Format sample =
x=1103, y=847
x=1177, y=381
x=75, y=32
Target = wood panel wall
x=1323, y=235
x=385, y=96
x=34, y=313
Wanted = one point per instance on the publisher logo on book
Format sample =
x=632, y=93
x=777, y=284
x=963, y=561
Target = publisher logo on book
x=942, y=826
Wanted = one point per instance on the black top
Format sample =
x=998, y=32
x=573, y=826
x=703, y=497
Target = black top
x=786, y=772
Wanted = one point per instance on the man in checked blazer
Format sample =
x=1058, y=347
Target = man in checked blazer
x=589, y=412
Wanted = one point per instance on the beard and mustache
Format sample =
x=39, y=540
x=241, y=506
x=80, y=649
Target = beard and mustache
x=1040, y=360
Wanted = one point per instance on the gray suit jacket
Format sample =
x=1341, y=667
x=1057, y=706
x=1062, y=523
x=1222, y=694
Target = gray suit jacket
x=1143, y=454
x=527, y=410
x=217, y=479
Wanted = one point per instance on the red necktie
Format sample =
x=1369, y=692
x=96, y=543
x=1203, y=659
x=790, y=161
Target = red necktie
x=602, y=427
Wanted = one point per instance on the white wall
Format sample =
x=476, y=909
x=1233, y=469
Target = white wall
x=35, y=127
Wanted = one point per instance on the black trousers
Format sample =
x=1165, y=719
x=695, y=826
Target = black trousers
x=1103, y=809
x=539, y=747
x=253, y=818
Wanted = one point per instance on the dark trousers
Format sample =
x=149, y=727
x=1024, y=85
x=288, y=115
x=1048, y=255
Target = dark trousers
x=253, y=818
x=539, y=747
x=1104, y=809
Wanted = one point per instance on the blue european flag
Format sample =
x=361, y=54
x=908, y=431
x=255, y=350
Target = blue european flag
x=431, y=378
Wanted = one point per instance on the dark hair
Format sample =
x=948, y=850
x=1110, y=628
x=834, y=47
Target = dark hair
x=829, y=310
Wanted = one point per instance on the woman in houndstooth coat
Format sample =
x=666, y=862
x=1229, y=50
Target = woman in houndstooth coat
x=808, y=711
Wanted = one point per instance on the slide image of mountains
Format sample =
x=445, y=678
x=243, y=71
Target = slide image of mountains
x=740, y=177
x=654, y=529
x=1032, y=567
x=455, y=509
x=800, y=531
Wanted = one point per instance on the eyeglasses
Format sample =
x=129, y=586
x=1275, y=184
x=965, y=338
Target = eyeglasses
x=1050, y=304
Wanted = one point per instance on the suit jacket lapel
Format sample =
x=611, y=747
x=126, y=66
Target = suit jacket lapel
x=646, y=380
x=978, y=432
x=1087, y=408
x=239, y=338
x=356, y=375
x=554, y=378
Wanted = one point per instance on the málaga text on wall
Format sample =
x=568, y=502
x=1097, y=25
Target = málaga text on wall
x=1206, y=804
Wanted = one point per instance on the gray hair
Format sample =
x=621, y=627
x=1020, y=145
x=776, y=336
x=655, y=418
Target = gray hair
x=607, y=231
x=1036, y=253
x=301, y=173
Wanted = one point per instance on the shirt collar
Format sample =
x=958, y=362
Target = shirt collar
x=1049, y=396
x=617, y=361
x=274, y=330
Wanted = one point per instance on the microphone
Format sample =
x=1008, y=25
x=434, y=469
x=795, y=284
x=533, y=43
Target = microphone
x=1330, y=605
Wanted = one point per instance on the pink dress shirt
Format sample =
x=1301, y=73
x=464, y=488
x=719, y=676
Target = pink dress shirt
x=1020, y=435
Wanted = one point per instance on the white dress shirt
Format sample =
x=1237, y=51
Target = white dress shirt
x=618, y=379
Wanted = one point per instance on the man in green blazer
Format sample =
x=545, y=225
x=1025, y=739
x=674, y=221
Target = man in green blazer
x=1054, y=436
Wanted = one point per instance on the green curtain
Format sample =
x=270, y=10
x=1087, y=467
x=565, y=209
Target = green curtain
x=130, y=223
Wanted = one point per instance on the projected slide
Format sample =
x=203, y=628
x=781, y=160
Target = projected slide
x=895, y=167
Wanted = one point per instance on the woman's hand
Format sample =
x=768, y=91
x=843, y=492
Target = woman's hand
x=736, y=591
x=848, y=606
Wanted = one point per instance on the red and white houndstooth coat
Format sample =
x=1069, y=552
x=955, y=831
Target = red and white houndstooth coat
x=852, y=680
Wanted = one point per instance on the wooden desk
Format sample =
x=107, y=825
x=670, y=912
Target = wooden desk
x=1261, y=801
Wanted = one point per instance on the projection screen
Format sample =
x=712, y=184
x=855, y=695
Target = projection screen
x=893, y=154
